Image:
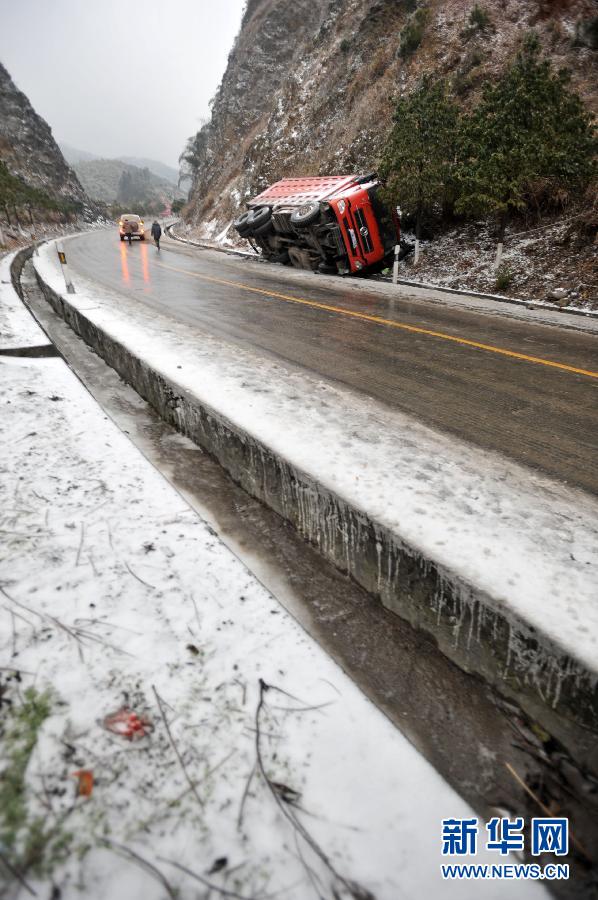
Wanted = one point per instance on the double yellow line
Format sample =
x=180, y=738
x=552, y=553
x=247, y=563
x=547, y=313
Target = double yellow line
x=379, y=320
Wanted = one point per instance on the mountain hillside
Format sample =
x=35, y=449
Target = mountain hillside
x=310, y=87
x=29, y=152
x=114, y=181
x=155, y=166
x=73, y=155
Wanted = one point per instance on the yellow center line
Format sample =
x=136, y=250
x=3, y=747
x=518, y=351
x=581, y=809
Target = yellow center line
x=379, y=320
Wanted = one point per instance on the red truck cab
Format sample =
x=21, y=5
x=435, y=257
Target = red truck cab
x=334, y=223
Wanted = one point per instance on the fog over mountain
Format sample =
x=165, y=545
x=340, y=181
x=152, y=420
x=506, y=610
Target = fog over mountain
x=120, y=79
x=73, y=155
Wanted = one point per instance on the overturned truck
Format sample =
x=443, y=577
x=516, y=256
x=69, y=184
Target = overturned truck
x=334, y=224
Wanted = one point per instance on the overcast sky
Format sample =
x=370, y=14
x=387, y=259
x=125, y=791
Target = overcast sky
x=119, y=77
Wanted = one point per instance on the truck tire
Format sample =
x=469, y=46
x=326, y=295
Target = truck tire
x=258, y=218
x=325, y=268
x=301, y=259
x=282, y=257
x=305, y=215
x=241, y=224
x=266, y=228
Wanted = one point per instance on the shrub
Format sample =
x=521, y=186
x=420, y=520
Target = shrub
x=530, y=128
x=504, y=278
x=465, y=78
x=478, y=22
x=345, y=45
x=479, y=18
x=15, y=192
x=419, y=152
x=586, y=33
x=413, y=33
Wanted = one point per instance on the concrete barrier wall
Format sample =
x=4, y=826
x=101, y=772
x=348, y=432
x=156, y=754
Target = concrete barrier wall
x=469, y=627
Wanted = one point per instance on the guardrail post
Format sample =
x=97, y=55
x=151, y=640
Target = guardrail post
x=70, y=288
x=395, y=265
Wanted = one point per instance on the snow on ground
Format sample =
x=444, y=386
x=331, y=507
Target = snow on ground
x=16, y=329
x=528, y=542
x=535, y=262
x=15, y=238
x=114, y=593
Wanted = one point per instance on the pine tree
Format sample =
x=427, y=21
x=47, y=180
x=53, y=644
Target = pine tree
x=529, y=128
x=124, y=194
x=419, y=155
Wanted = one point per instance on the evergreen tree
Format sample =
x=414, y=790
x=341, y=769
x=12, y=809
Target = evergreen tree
x=419, y=155
x=529, y=128
x=194, y=154
x=125, y=188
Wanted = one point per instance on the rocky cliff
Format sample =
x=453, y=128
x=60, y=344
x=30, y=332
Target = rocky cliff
x=311, y=85
x=29, y=151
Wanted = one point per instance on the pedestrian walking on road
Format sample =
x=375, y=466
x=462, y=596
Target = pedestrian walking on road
x=129, y=237
x=156, y=233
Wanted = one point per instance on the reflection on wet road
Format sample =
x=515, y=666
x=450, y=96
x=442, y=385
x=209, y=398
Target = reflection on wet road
x=124, y=265
x=526, y=390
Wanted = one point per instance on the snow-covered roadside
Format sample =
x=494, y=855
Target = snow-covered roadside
x=526, y=541
x=114, y=593
x=536, y=263
x=17, y=329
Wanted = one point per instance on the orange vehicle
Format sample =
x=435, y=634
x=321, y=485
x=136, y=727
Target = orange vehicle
x=333, y=224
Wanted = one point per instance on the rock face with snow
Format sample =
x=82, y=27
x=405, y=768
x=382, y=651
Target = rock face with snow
x=28, y=149
x=310, y=87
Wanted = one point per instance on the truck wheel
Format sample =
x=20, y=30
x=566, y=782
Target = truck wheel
x=302, y=259
x=305, y=215
x=241, y=224
x=259, y=217
x=325, y=268
x=266, y=228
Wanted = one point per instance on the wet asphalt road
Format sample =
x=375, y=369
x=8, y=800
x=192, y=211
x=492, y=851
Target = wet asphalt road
x=540, y=415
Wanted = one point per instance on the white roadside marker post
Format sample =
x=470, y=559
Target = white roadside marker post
x=70, y=288
x=395, y=265
x=498, y=257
